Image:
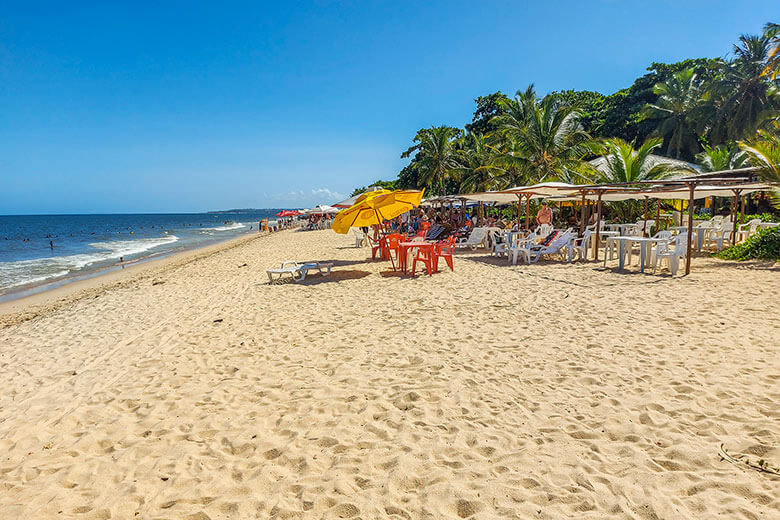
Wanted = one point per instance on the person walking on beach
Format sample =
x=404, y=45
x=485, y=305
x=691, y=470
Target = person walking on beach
x=544, y=215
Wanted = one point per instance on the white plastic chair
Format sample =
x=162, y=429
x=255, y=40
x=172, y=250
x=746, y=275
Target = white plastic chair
x=581, y=245
x=721, y=234
x=360, y=238
x=661, y=246
x=500, y=243
x=673, y=255
x=745, y=230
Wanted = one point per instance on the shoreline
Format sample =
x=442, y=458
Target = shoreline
x=41, y=302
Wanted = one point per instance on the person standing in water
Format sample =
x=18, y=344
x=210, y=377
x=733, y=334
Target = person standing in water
x=51, y=245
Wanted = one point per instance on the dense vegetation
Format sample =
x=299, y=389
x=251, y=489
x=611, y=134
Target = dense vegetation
x=718, y=113
x=764, y=244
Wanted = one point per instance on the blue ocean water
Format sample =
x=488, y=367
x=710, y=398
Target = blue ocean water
x=39, y=249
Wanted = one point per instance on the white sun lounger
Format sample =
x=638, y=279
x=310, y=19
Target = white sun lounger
x=298, y=271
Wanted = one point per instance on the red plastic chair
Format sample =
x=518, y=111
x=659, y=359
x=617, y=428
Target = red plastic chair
x=393, y=243
x=444, y=249
x=427, y=256
x=379, y=246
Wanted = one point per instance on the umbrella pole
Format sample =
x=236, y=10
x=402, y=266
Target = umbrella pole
x=379, y=219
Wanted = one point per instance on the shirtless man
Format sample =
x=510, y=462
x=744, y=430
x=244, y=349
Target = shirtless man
x=544, y=215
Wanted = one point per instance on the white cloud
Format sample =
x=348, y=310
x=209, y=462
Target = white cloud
x=307, y=198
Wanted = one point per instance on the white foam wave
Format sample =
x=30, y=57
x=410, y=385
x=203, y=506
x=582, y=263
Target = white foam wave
x=228, y=227
x=13, y=274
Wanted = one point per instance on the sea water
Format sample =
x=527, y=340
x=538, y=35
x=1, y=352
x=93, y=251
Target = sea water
x=43, y=249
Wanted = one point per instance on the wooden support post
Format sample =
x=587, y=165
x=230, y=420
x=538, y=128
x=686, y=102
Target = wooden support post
x=598, y=227
x=527, y=212
x=658, y=215
x=644, y=224
x=737, y=197
x=691, y=187
x=582, y=215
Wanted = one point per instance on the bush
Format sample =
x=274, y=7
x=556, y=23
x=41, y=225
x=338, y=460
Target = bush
x=764, y=244
x=764, y=217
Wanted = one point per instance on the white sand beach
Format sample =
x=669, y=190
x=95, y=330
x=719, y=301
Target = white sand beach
x=195, y=390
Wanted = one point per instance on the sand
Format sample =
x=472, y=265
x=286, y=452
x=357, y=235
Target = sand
x=196, y=390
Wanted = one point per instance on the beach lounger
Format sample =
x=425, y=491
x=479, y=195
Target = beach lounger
x=298, y=271
x=435, y=232
x=532, y=252
x=477, y=238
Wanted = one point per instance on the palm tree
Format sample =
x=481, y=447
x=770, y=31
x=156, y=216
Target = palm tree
x=764, y=152
x=624, y=164
x=678, y=109
x=744, y=96
x=721, y=157
x=436, y=158
x=548, y=142
x=772, y=31
x=477, y=160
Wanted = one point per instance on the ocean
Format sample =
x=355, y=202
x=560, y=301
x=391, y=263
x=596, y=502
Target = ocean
x=41, y=251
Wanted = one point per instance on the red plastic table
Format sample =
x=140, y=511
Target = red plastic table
x=403, y=249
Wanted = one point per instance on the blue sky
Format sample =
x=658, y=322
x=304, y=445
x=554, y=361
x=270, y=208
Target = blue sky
x=178, y=106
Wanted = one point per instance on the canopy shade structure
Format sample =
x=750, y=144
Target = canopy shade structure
x=373, y=207
x=288, y=213
x=702, y=191
x=321, y=209
x=546, y=189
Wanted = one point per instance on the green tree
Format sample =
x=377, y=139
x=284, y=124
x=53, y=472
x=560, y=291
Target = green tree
x=623, y=111
x=548, y=141
x=591, y=106
x=436, y=156
x=678, y=111
x=764, y=152
x=743, y=94
x=477, y=160
x=721, y=157
x=624, y=164
x=487, y=108
x=772, y=32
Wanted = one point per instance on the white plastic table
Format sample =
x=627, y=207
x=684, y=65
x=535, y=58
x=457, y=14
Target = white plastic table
x=621, y=227
x=644, y=249
x=699, y=233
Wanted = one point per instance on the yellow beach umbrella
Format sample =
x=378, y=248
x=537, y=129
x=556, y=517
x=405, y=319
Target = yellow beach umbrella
x=375, y=206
